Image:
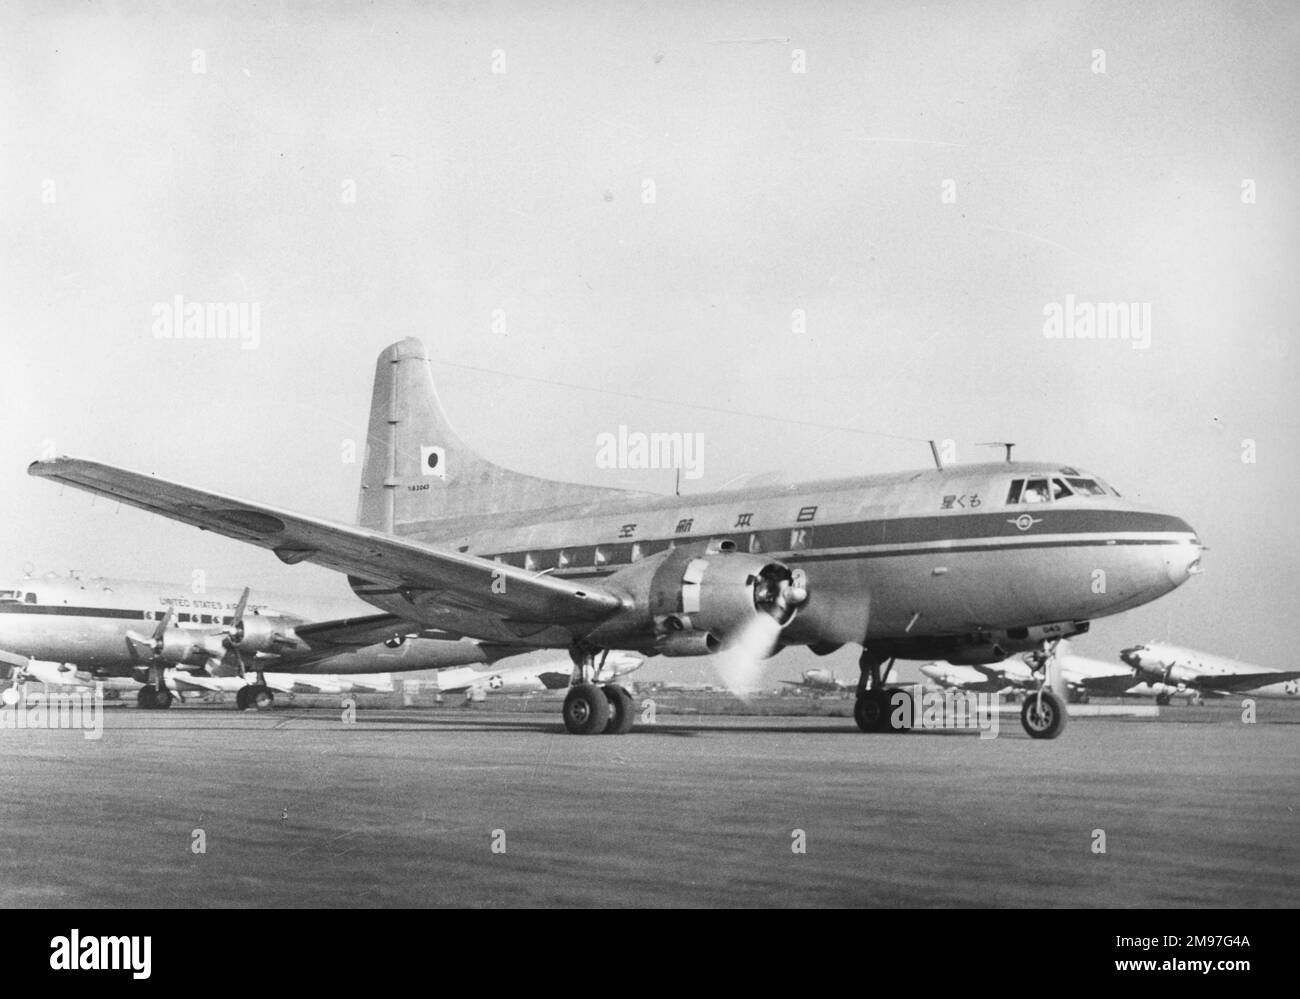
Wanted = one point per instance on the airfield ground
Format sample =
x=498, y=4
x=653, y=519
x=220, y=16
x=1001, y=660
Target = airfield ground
x=413, y=806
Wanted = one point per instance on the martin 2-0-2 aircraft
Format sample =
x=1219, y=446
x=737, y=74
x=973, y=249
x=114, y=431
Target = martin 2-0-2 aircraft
x=969, y=564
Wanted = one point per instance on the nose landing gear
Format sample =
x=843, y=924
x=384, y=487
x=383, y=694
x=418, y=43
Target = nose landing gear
x=1043, y=714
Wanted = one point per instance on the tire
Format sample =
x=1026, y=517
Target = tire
x=1163, y=699
x=163, y=698
x=1046, y=722
x=622, y=710
x=144, y=699
x=586, y=710
x=260, y=698
x=241, y=698
x=871, y=711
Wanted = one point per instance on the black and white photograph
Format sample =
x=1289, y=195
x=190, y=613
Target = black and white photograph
x=576, y=455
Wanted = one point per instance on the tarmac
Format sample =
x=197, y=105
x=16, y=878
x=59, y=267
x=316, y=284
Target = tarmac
x=203, y=805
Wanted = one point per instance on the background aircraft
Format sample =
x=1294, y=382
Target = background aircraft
x=1161, y=662
x=1083, y=678
x=541, y=672
x=147, y=631
x=820, y=681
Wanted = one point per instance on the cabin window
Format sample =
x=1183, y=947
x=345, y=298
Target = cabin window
x=30, y=598
x=755, y=544
x=800, y=538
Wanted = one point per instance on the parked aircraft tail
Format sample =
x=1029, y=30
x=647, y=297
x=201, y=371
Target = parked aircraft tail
x=419, y=475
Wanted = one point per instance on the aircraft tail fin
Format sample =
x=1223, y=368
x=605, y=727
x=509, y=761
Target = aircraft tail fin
x=419, y=474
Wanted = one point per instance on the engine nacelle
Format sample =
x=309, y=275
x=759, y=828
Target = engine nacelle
x=697, y=602
x=179, y=645
x=257, y=634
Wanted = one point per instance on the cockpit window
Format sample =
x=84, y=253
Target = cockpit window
x=8, y=594
x=1032, y=491
x=1035, y=492
x=1060, y=490
x=1087, y=487
x=31, y=598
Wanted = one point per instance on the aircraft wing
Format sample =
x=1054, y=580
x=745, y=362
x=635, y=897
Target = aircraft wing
x=1234, y=682
x=510, y=594
x=1110, y=683
x=355, y=632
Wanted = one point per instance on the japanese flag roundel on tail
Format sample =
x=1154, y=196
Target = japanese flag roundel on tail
x=433, y=461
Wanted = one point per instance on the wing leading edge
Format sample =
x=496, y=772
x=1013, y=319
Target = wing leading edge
x=507, y=593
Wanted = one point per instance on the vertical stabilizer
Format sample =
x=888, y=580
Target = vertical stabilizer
x=418, y=472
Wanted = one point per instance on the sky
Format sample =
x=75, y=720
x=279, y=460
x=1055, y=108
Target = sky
x=816, y=234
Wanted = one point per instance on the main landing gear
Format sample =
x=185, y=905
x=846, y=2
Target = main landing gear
x=1043, y=714
x=154, y=695
x=150, y=697
x=879, y=708
x=257, y=696
x=591, y=708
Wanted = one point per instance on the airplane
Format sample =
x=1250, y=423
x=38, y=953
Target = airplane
x=145, y=631
x=67, y=677
x=528, y=677
x=968, y=563
x=1174, y=665
x=819, y=681
x=1081, y=676
x=983, y=678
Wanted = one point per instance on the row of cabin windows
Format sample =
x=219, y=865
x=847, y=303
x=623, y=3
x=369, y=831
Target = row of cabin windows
x=18, y=596
x=1046, y=490
x=189, y=618
x=598, y=556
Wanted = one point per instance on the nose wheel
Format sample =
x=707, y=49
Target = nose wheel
x=1043, y=714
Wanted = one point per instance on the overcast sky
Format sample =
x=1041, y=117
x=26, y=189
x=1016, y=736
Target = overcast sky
x=932, y=181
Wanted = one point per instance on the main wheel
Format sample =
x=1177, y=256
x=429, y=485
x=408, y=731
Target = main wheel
x=162, y=698
x=1043, y=715
x=1163, y=699
x=241, y=698
x=260, y=697
x=145, y=698
x=586, y=709
x=622, y=710
x=871, y=711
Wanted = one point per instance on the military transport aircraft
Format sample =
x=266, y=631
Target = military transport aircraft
x=1161, y=662
x=1082, y=678
x=152, y=631
x=969, y=563
x=819, y=681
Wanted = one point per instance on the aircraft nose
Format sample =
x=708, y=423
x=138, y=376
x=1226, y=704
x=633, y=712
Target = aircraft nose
x=1133, y=656
x=1183, y=559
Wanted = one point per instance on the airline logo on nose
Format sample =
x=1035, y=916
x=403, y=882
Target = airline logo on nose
x=1025, y=522
x=433, y=461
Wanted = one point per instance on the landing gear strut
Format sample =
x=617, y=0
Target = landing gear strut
x=877, y=707
x=256, y=695
x=1043, y=713
x=154, y=694
x=589, y=708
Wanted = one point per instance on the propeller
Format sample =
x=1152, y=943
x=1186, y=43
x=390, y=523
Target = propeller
x=153, y=643
x=740, y=660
